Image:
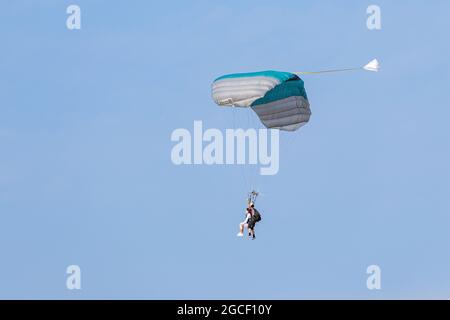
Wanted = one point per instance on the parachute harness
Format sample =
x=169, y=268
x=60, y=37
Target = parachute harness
x=252, y=197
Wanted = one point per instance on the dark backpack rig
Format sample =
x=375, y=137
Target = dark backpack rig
x=251, y=199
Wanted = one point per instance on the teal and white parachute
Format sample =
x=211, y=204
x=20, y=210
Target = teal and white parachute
x=278, y=98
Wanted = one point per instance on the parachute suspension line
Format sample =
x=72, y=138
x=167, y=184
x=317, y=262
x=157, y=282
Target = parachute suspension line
x=373, y=65
x=257, y=181
x=253, y=168
x=327, y=71
x=241, y=170
x=248, y=167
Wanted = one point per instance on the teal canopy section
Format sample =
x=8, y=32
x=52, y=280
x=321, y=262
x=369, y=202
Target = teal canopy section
x=280, y=75
x=294, y=87
x=278, y=98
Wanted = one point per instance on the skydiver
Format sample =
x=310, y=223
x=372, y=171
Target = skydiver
x=256, y=217
x=245, y=224
x=252, y=217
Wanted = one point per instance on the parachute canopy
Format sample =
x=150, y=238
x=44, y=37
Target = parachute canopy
x=278, y=98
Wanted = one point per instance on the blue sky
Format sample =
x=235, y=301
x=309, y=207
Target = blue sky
x=86, y=176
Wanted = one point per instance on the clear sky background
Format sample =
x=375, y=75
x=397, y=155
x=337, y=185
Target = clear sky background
x=86, y=176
